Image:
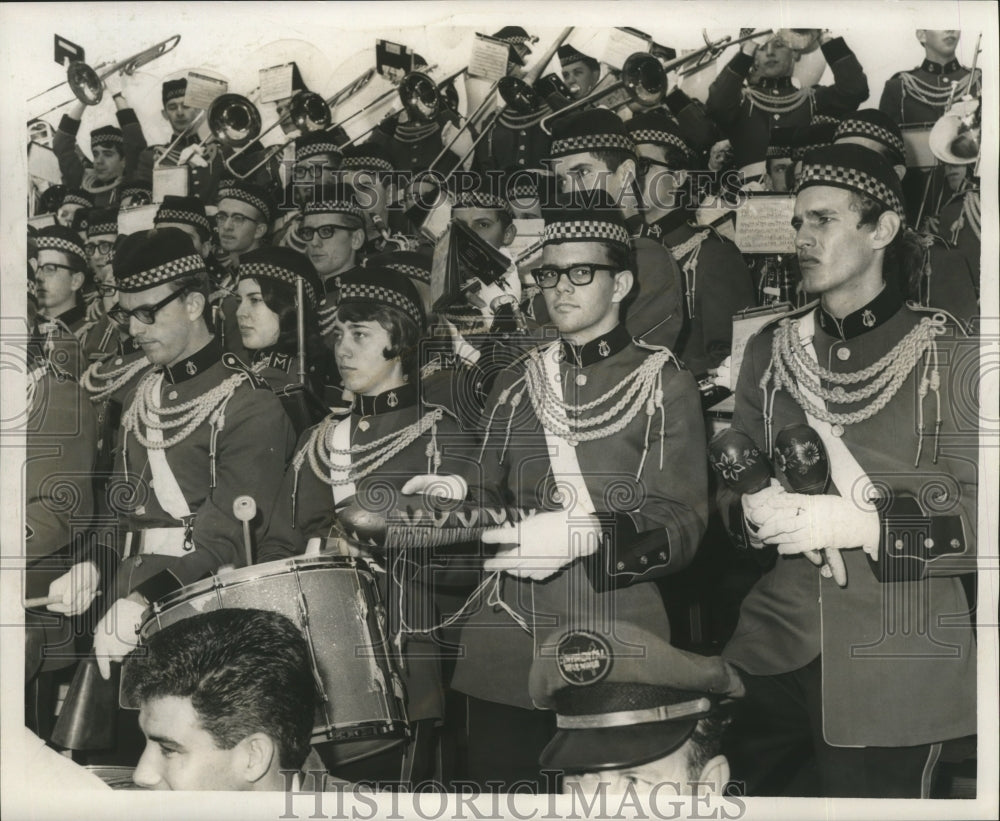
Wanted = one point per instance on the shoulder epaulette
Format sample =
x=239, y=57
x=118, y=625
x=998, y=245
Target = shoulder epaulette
x=234, y=363
x=930, y=310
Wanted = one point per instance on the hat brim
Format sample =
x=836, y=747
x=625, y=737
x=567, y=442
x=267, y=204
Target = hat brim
x=607, y=748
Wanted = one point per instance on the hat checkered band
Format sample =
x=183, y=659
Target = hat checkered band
x=253, y=270
x=652, y=135
x=132, y=190
x=186, y=217
x=334, y=207
x=479, y=199
x=366, y=292
x=852, y=178
x=860, y=128
x=589, y=142
x=312, y=149
x=366, y=164
x=247, y=197
x=101, y=139
x=168, y=271
x=96, y=229
x=411, y=271
x=585, y=231
x=59, y=244
x=77, y=199
x=174, y=93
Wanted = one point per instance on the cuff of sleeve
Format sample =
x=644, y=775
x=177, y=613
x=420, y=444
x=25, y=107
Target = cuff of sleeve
x=126, y=116
x=157, y=587
x=909, y=540
x=741, y=64
x=625, y=556
x=835, y=49
x=69, y=126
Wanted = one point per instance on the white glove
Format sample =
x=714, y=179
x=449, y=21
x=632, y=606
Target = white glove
x=462, y=146
x=77, y=588
x=113, y=83
x=547, y=542
x=445, y=487
x=723, y=375
x=193, y=156
x=756, y=509
x=117, y=633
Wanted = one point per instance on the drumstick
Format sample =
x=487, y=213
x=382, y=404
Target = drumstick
x=44, y=601
x=244, y=509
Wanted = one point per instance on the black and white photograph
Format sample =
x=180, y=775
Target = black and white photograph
x=452, y=410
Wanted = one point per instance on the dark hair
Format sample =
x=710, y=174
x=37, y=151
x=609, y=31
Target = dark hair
x=245, y=671
x=404, y=334
x=612, y=157
x=705, y=742
x=903, y=262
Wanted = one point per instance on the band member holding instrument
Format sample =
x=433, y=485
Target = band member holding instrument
x=580, y=72
x=717, y=283
x=749, y=113
x=198, y=736
x=612, y=506
x=102, y=236
x=829, y=664
x=198, y=430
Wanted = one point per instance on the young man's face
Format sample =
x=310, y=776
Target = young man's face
x=259, y=325
x=337, y=253
x=835, y=253
x=358, y=348
x=100, y=253
x=109, y=163
x=241, y=226
x=179, y=116
x=173, y=334
x=580, y=79
x=778, y=171
x=66, y=212
x=955, y=175
x=486, y=222
x=584, y=312
x=660, y=182
x=180, y=754
x=673, y=770
x=774, y=59
x=585, y=172
x=56, y=289
x=312, y=177
x=940, y=42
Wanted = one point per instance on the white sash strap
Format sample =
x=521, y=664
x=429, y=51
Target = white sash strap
x=167, y=541
x=340, y=463
x=849, y=477
x=562, y=455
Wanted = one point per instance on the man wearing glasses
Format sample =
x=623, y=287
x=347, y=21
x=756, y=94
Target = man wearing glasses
x=717, y=283
x=102, y=231
x=199, y=430
x=333, y=232
x=243, y=219
x=603, y=437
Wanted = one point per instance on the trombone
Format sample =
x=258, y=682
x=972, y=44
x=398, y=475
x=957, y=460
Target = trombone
x=88, y=86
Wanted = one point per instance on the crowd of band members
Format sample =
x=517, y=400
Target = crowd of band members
x=196, y=324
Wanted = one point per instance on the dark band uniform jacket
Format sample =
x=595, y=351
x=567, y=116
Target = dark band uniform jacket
x=67, y=337
x=305, y=508
x=749, y=114
x=76, y=175
x=242, y=450
x=921, y=94
x=657, y=520
x=875, y=670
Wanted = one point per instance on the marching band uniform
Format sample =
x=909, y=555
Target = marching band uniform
x=921, y=94
x=128, y=139
x=960, y=225
x=840, y=654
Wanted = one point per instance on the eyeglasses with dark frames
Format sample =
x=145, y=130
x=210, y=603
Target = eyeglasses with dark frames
x=145, y=314
x=580, y=274
x=103, y=248
x=306, y=233
x=239, y=220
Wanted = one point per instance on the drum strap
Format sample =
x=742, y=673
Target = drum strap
x=849, y=477
x=340, y=462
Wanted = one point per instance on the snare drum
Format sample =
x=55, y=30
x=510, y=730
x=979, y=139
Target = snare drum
x=334, y=601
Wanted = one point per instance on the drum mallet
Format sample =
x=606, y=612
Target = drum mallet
x=244, y=509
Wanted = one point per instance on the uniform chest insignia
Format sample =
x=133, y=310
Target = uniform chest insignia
x=392, y=400
x=604, y=348
x=868, y=319
x=191, y=368
x=654, y=230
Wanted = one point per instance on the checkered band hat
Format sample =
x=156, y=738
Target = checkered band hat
x=107, y=135
x=102, y=221
x=249, y=193
x=338, y=198
x=284, y=265
x=585, y=217
x=150, y=258
x=413, y=264
x=569, y=55
x=872, y=124
x=135, y=188
x=77, y=196
x=378, y=285
x=514, y=35
x=314, y=144
x=186, y=211
x=656, y=128
x=66, y=240
x=594, y=130
x=366, y=157
x=172, y=89
x=854, y=168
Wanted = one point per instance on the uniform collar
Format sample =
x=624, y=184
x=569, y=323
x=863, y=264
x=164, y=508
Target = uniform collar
x=875, y=313
x=669, y=223
x=936, y=68
x=270, y=358
x=194, y=364
x=385, y=402
x=775, y=84
x=597, y=350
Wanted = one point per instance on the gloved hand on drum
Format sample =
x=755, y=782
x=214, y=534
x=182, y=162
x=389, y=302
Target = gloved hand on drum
x=117, y=632
x=546, y=543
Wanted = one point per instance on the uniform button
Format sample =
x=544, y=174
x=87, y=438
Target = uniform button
x=955, y=544
x=581, y=379
x=524, y=133
x=118, y=361
x=643, y=560
x=172, y=395
x=663, y=555
x=520, y=161
x=620, y=566
x=843, y=354
x=928, y=543
x=777, y=116
x=363, y=425
x=898, y=545
x=521, y=147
